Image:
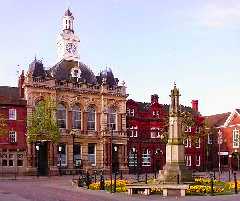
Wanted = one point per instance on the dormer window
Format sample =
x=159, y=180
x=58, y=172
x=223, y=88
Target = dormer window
x=76, y=73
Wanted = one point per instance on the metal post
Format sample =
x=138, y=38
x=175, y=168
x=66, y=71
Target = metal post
x=111, y=160
x=121, y=175
x=73, y=135
x=95, y=176
x=229, y=175
x=219, y=161
x=214, y=175
x=115, y=182
x=212, y=191
x=178, y=179
x=146, y=177
x=235, y=182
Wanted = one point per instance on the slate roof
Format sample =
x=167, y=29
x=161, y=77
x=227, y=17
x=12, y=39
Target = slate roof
x=217, y=119
x=10, y=96
x=36, y=68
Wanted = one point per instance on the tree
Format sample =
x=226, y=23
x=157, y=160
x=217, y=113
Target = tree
x=3, y=125
x=42, y=124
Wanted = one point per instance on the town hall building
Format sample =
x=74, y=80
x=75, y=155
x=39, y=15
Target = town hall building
x=90, y=111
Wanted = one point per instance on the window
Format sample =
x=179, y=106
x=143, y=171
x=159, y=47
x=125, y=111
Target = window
x=12, y=137
x=155, y=133
x=91, y=119
x=198, y=161
x=198, y=143
x=130, y=112
x=62, y=155
x=133, y=131
x=61, y=116
x=76, y=117
x=188, y=142
x=92, y=154
x=210, y=139
x=188, y=129
x=20, y=160
x=146, y=158
x=112, y=119
x=156, y=114
x=132, y=158
x=12, y=114
x=10, y=160
x=235, y=138
x=188, y=160
x=77, y=154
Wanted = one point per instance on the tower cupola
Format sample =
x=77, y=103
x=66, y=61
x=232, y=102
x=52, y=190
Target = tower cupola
x=68, y=20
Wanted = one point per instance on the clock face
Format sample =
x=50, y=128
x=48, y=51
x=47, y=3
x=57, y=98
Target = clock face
x=71, y=48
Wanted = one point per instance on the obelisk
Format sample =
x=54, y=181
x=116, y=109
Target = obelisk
x=175, y=169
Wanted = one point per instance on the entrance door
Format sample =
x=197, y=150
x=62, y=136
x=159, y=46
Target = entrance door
x=43, y=159
x=115, y=161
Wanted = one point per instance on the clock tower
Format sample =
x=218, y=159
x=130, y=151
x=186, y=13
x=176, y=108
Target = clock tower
x=68, y=42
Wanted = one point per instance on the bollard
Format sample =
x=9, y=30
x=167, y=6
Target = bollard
x=214, y=175
x=115, y=182
x=121, y=175
x=178, y=179
x=212, y=191
x=235, y=182
x=146, y=177
x=155, y=174
x=95, y=176
x=229, y=175
x=102, y=183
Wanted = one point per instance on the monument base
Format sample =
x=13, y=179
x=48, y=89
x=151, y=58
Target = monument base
x=174, y=173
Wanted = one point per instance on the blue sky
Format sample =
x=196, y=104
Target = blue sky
x=149, y=44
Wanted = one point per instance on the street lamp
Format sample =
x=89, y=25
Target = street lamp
x=220, y=141
x=236, y=151
x=134, y=158
x=60, y=159
x=37, y=149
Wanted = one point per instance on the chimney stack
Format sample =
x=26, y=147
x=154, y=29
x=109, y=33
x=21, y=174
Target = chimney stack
x=195, y=105
x=154, y=98
x=20, y=85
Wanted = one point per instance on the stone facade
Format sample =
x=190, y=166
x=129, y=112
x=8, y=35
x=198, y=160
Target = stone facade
x=88, y=133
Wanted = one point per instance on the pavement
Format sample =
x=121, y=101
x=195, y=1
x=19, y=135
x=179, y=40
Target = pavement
x=61, y=189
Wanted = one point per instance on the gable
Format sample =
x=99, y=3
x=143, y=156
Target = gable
x=233, y=119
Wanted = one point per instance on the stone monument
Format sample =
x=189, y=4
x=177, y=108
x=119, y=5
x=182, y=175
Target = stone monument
x=175, y=170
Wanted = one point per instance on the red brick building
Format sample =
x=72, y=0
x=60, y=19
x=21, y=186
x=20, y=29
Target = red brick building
x=224, y=140
x=13, y=141
x=147, y=126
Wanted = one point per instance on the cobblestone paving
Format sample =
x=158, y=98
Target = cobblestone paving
x=60, y=189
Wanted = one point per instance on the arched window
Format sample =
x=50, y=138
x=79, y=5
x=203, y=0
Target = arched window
x=76, y=117
x=112, y=118
x=91, y=118
x=61, y=116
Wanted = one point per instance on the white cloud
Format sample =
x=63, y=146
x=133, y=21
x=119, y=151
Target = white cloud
x=220, y=14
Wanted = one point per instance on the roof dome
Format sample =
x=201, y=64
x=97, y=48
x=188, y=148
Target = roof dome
x=109, y=77
x=36, y=68
x=68, y=13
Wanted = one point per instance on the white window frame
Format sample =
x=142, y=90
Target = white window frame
x=235, y=138
x=130, y=112
x=95, y=155
x=133, y=131
x=188, y=142
x=12, y=135
x=198, y=160
x=188, y=129
x=188, y=159
x=210, y=140
x=62, y=110
x=12, y=113
x=198, y=144
x=112, y=124
x=146, y=158
x=95, y=114
x=75, y=121
x=155, y=132
x=66, y=156
x=132, y=161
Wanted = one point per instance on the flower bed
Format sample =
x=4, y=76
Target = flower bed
x=202, y=186
x=120, y=185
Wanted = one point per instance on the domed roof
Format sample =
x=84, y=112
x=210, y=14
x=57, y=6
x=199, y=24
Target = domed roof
x=62, y=71
x=36, y=68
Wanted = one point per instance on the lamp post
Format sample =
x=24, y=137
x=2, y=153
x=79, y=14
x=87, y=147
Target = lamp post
x=111, y=136
x=236, y=151
x=220, y=141
x=134, y=158
x=60, y=159
x=73, y=142
x=37, y=149
x=115, y=148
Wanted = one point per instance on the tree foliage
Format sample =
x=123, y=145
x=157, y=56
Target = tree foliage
x=42, y=124
x=3, y=125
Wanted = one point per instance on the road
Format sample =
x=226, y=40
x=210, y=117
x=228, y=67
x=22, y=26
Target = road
x=60, y=189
